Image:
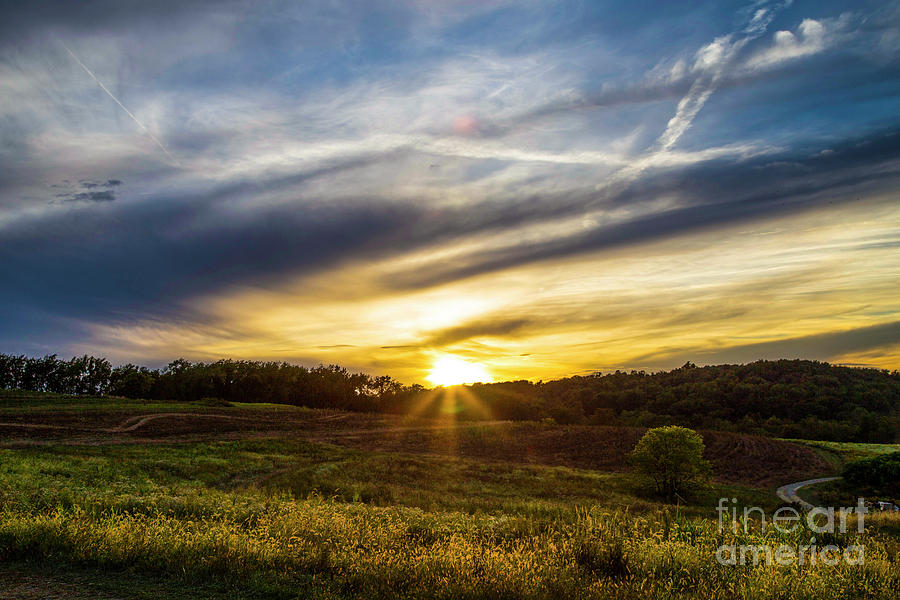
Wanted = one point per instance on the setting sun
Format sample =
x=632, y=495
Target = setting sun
x=450, y=370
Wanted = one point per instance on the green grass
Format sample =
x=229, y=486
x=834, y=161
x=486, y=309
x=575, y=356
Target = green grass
x=839, y=493
x=120, y=476
x=35, y=403
x=319, y=548
x=340, y=523
x=285, y=518
x=841, y=453
x=22, y=402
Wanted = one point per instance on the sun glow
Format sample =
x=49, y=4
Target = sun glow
x=450, y=370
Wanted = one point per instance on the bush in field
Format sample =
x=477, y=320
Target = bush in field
x=880, y=473
x=672, y=457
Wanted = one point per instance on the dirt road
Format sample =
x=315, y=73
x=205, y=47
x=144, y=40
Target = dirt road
x=788, y=492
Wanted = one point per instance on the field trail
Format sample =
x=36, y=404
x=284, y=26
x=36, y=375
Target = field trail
x=138, y=421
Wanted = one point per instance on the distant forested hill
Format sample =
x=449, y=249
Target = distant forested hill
x=784, y=398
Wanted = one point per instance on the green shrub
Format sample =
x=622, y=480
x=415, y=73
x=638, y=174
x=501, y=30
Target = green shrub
x=880, y=474
x=672, y=457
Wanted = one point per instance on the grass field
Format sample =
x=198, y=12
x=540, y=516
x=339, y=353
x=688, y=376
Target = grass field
x=99, y=500
x=840, y=453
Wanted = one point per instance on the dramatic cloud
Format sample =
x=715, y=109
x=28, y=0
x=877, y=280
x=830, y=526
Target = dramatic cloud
x=532, y=185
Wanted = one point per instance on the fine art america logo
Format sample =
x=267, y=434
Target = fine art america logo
x=825, y=522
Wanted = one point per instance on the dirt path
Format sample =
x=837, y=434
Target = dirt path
x=138, y=421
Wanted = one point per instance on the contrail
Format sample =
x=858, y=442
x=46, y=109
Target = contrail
x=130, y=114
x=703, y=88
x=700, y=91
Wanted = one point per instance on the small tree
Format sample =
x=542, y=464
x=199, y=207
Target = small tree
x=671, y=456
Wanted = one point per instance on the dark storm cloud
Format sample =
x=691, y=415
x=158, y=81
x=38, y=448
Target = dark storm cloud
x=823, y=346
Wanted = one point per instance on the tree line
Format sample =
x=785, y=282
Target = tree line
x=785, y=398
x=325, y=386
x=781, y=398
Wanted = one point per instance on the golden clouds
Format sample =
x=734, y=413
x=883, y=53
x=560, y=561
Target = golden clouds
x=647, y=306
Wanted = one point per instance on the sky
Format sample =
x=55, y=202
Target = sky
x=539, y=189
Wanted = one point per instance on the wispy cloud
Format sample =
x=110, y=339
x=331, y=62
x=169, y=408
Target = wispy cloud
x=811, y=37
x=830, y=346
x=393, y=157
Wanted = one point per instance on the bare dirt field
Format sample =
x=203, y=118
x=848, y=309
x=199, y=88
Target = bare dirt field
x=740, y=459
